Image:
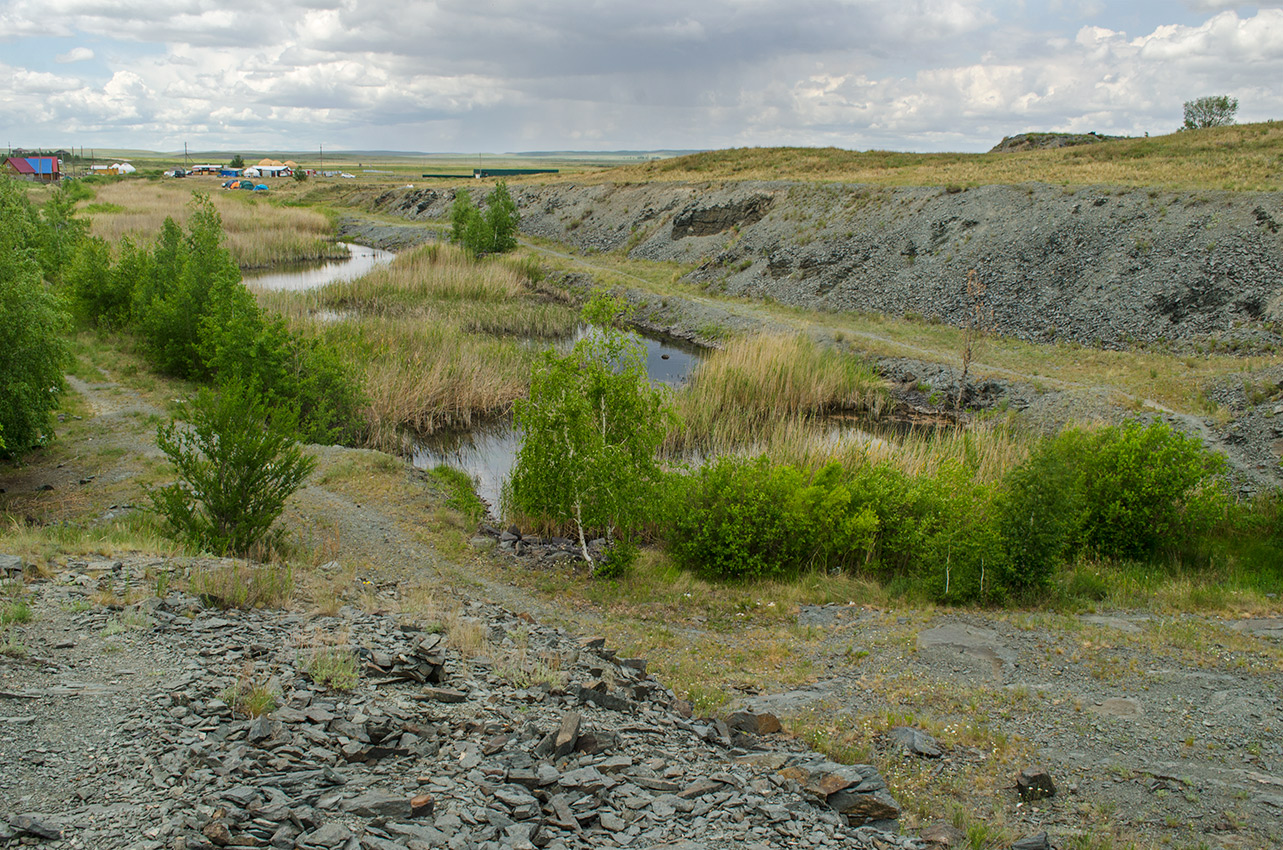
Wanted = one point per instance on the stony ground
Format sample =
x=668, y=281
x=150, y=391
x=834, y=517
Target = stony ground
x=119, y=729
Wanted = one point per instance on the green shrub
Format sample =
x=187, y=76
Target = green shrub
x=237, y=466
x=188, y=273
x=738, y=518
x=1147, y=488
x=1041, y=510
x=731, y=520
x=102, y=294
x=33, y=349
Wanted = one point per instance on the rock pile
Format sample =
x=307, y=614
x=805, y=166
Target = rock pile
x=509, y=734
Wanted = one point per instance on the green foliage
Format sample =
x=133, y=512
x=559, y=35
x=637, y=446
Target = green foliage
x=740, y=518
x=238, y=161
x=590, y=430
x=1210, y=111
x=61, y=234
x=101, y=293
x=493, y=231
x=33, y=350
x=1145, y=487
x=1042, y=510
x=189, y=273
x=460, y=491
x=237, y=464
x=196, y=319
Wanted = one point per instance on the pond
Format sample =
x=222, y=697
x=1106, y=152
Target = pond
x=297, y=276
x=488, y=452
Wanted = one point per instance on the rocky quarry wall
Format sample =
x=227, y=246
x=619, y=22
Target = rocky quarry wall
x=1098, y=266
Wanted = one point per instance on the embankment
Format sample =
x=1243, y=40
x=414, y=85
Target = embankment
x=1102, y=267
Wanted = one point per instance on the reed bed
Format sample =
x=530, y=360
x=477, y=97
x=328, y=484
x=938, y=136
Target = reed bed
x=440, y=340
x=759, y=384
x=428, y=273
x=421, y=376
x=259, y=233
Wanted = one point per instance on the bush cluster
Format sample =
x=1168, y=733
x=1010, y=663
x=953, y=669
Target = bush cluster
x=194, y=318
x=33, y=349
x=238, y=462
x=1134, y=492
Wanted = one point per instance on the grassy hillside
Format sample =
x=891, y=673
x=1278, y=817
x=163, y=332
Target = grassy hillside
x=1247, y=157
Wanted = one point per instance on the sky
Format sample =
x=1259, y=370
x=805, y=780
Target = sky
x=474, y=76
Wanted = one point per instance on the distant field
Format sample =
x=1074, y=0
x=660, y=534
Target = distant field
x=1247, y=157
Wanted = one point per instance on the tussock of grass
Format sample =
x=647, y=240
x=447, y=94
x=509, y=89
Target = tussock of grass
x=429, y=273
x=244, y=586
x=259, y=233
x=332, y=667
x=760, y=381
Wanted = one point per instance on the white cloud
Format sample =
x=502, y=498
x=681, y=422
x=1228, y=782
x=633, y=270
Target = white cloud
x=509, y=74
x=76, y=54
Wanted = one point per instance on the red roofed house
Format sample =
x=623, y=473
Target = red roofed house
x=43, y=169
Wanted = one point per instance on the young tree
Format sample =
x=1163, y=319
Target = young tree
x=491, y=232
x=237, y=464
x=237, y=162
x=1210, y=111
x=501, y=219
x=590, y=430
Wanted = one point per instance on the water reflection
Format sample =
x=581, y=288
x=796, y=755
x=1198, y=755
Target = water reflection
x=361, y=259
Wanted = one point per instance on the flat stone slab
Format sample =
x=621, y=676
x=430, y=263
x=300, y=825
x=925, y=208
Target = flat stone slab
x=1119, y=707
x=1270, y=627
x=976, y=649
x=1122, y=624
x=782, y=705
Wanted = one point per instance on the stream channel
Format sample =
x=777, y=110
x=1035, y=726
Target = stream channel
x=310, y=275
x=485, y=452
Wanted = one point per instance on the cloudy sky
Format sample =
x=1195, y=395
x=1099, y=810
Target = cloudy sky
x=517, y=75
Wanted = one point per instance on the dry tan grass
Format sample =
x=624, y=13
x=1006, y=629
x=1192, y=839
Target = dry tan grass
x=259, y=233
x=1239, y=158
x=756, y=383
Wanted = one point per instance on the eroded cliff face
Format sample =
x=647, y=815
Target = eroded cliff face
x=1099, y=266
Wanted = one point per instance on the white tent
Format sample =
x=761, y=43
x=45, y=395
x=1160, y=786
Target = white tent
x=124, y=168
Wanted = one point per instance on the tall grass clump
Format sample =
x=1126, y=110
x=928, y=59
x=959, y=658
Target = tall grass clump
x=422, y=377
x=424, y=274
x=436, y=336
x=763, y=380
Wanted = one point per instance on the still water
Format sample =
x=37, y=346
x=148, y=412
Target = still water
x=488, y=452
x=360, y=260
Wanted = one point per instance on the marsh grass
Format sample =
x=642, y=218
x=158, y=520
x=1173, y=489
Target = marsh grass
x=757, y=382
x=439, y=339
x=259, y=232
